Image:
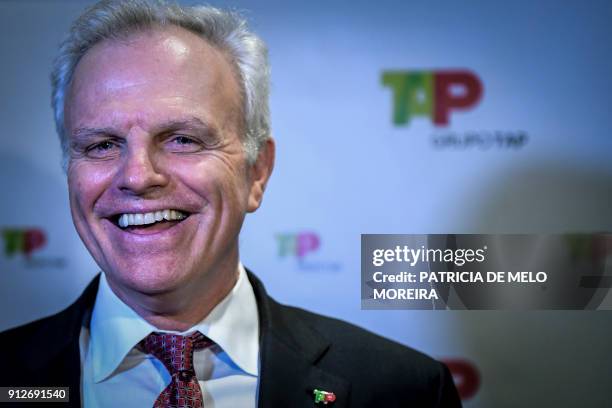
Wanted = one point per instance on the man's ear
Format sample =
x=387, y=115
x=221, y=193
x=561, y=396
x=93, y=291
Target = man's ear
x=260, y=173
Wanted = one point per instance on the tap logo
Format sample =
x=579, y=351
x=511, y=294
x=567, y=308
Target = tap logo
x=433, y=94
x=23, y=241
x=304, y=247
x=298, y=244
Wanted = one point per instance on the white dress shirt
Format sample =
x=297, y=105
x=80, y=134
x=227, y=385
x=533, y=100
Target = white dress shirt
x=116, y=373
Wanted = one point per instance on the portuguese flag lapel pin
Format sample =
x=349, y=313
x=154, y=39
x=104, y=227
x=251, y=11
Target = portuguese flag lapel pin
x=323, y=396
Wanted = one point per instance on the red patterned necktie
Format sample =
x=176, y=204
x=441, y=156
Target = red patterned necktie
x=176, y=352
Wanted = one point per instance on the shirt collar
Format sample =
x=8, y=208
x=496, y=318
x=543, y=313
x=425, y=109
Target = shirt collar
x=233, y=325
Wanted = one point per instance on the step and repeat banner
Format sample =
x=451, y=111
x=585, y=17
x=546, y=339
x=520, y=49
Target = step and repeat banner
x=390, y=117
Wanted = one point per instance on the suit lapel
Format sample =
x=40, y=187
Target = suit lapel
x=289, y=351
x=59, y=362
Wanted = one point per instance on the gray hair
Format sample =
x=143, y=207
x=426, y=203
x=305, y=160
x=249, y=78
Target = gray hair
x=228, y=31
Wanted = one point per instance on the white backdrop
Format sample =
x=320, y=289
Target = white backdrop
x=344, y=168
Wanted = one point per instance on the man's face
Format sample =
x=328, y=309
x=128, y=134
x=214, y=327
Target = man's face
x=154, y=124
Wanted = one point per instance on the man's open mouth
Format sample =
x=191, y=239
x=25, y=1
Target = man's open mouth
x=150, y=219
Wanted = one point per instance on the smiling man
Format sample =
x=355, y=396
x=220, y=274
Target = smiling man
x=158, y=175
x=162, y=112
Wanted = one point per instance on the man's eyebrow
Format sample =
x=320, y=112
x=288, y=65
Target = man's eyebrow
x=164, y=127
x=187, y=123
x=87, y=132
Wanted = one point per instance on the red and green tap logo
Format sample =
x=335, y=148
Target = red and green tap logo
x=23, y=240
x=433, y=94
x=297, y=245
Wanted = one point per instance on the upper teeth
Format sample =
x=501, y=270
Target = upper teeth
x=126, y=220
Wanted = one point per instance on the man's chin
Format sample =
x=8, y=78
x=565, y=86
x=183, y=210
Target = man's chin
x=147, y=282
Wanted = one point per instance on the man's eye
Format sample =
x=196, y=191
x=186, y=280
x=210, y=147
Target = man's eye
x=102, y=146
x=183, y=140
x=102, y=149
x=184, y=144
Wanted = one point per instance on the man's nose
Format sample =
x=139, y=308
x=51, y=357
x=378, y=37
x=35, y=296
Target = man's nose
x=141, y=172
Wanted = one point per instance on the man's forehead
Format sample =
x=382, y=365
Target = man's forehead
x=161, y=66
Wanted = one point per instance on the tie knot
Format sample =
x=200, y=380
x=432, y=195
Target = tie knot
x=173, y=350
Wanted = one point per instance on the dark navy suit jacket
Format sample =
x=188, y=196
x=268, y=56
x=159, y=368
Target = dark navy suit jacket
x=299, y=352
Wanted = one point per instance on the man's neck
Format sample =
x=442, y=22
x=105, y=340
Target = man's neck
x=180, y=309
